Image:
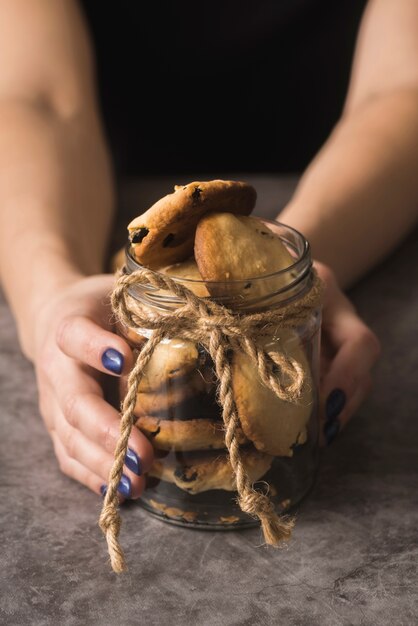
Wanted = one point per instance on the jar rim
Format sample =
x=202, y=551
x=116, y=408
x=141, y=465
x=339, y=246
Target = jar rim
x=301, y=265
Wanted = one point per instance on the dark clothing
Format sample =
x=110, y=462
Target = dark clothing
x=224, y=85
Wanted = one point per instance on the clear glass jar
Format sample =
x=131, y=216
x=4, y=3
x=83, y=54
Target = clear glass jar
x=191, y=482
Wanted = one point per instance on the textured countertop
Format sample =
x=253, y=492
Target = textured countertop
x=354, y=556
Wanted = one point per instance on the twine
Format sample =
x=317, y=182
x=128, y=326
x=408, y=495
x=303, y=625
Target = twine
x=220, y=331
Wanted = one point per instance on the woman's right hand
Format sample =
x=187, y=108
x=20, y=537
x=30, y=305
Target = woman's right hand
x=72, y=338
x=349, y=351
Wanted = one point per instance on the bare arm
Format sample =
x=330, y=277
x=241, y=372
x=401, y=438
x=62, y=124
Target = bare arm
x=56, y=196
x=359, y=197
x=56, y=204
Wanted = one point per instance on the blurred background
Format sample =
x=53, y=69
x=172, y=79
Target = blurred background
x=223, y=85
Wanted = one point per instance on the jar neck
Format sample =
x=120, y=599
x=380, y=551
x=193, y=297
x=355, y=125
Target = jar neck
x=273, y=290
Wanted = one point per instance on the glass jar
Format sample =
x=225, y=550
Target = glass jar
x=191, y=482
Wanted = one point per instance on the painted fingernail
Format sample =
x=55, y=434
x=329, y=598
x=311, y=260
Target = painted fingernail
x=112, y=360
x=125, y=487
x=335, y=404
x=103, y=490
x=331, y=430
x=133, y=462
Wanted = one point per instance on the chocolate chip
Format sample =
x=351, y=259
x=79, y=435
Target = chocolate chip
x=138, y=235
x=168, y=240
x=247, y=286
x=154, y=433
x=264, y=232
x=183, y=474
x=196, y=194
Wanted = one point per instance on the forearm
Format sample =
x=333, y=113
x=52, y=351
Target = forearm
x=56, y=203
x=359, y=197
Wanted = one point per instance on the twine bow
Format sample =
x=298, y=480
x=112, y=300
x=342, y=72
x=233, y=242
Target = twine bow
x=220, y=331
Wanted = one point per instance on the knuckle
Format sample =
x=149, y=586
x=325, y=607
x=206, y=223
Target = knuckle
x=63, y=331
x=70, y=409
x=91, y=350
x=48, y=419
x=107, y=438
x=42, y=406
x=69, y=443
x=64, y=465
x=62, y=459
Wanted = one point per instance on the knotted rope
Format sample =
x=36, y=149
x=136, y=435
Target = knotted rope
x=220, y=331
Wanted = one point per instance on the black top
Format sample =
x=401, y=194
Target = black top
x=223, y=85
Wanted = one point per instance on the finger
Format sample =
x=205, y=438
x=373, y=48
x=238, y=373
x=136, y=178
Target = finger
x=330, y=428
x=81, y=402
x=348, y=379
x=63, y=400
x=99, y=422
x=79, y=399
x=95, y=459
x=82, y=339
x=73, y=469
x=352, y=363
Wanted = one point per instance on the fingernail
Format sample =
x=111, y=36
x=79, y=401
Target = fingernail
x=335, y=404
x=112, y=360
x=331, y=430
x=103, y=490
x=125, y=487
x=133, y=462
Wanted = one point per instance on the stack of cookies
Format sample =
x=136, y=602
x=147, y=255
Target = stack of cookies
x=203, y=233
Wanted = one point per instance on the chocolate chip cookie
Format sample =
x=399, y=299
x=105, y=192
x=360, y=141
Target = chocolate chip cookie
x=164, y=402
x=173, y=359
x=235, y=248
x=209, y=470
x=188, y=270
x=272, y=424
x=193, y=434
x=164, y=234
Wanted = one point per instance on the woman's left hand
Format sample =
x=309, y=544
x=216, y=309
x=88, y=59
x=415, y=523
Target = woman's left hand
x=349, y=350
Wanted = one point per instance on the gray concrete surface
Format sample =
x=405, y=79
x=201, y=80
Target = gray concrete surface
x=354, y=556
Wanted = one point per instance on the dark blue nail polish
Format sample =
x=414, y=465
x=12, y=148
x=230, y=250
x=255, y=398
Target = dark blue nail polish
x=103, y=490
x=133, y=462
x=331, y=430
x=113, y=360
x=125, y=487
x=335, y=404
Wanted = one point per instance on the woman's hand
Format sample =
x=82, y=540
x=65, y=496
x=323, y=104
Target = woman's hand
x=73, y=344
x=349, y=349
